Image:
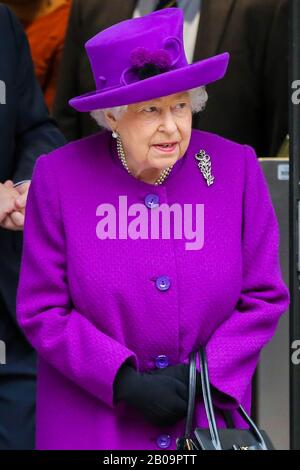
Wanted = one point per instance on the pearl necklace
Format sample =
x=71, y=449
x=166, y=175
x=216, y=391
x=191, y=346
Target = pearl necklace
x=165, y=173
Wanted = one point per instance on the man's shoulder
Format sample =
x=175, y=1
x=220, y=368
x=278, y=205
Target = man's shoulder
x=12, y=37
x=6, y=23
x=4, y=13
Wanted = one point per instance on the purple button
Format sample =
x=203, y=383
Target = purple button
x=163, y=441
x=162, y=361
x=163, y=283
x=152, y=201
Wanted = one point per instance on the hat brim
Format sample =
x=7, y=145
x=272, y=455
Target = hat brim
x=185, y=78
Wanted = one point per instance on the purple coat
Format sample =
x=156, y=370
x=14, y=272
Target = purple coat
x=87, y=304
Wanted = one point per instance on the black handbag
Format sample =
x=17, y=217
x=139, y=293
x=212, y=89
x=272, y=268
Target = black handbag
x=214, y=438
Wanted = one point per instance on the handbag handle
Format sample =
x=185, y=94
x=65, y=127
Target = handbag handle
x=191, y=397
x=209, y=409
x=214, y=434
x=207, y=401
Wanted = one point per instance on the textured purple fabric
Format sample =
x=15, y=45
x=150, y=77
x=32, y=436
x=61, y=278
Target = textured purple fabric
x=113, y=57
x=87, y=304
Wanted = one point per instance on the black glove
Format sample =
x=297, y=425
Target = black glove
x=180, y=372
x=161, y=398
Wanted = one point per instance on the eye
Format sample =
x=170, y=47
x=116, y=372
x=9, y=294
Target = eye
x=180, y=106
x=150, y=109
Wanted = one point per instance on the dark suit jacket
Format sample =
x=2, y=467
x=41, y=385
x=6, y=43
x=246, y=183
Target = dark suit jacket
x=26, y=131
x=250, y=105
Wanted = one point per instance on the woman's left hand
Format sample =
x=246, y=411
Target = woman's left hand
x=180, y=372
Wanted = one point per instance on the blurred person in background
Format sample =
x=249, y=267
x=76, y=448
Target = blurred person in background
x=26, y=131
x=249, y=106
x=45, y=23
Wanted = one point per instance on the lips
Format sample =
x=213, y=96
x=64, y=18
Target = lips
x=166, y=147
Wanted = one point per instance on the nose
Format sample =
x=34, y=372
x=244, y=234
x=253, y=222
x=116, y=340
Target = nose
x=168, y=123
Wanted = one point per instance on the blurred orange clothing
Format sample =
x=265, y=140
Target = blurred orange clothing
x=46, y=37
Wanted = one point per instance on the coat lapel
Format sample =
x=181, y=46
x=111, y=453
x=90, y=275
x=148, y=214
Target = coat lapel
x=213, y=21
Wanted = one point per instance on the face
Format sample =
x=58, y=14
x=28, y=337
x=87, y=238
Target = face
x=155, y=134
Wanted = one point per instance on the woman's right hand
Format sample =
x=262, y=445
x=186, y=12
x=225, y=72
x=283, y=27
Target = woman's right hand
x=162, y=399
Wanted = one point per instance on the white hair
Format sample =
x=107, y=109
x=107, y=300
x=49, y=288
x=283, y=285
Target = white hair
x=198, y=97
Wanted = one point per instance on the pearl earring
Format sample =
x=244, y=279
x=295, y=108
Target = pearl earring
x=115, y=134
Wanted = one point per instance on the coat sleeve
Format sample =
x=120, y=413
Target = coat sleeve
x=61, y=335
x=233, y=350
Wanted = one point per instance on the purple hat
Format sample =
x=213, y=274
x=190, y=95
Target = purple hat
x=143, y=58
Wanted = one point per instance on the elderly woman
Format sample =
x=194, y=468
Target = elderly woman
x=121, y=278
